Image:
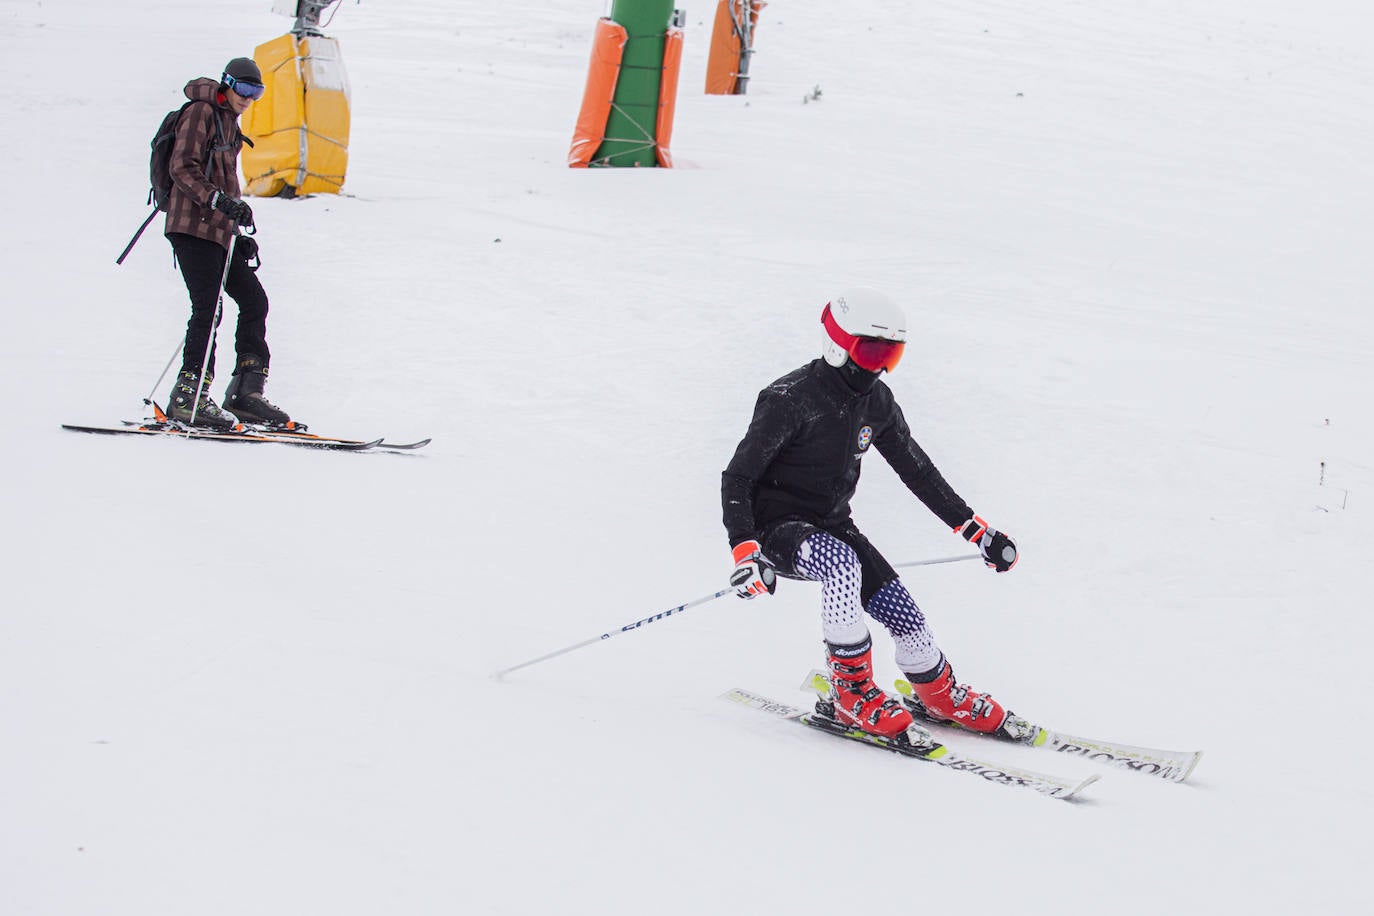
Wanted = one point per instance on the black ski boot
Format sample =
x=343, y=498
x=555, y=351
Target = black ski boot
x=245, y=398
x=183, y=401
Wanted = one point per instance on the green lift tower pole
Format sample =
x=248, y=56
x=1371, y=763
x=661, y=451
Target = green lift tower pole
x=631, y=129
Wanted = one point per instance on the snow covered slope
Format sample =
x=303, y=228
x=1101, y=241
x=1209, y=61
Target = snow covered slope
x=1130, y=238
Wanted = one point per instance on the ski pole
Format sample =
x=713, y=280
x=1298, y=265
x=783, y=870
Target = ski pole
x=181, y=342
x=966, y=556
x=214, y=325
x=679, y=609
x=625, y=629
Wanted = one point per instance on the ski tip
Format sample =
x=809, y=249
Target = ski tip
x=406, y=446
x=903, y=687
x=1192, y=764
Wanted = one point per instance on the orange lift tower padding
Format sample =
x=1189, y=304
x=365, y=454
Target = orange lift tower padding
x=667, y=96
x=608, y=47
x=732, y=44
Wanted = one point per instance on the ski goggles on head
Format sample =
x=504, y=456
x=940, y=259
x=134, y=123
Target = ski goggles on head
x=243, y=88
x=872, y=354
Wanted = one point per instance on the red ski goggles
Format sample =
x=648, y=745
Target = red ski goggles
x=869, y=353
x=243, y=88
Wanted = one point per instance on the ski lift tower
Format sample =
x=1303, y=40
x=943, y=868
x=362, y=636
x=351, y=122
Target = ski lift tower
x=300, y=126
x=307, y=13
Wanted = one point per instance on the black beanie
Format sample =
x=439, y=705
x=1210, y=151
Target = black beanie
x=243, y=68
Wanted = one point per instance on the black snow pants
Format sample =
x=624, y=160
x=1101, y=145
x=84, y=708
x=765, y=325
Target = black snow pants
x=202, y=267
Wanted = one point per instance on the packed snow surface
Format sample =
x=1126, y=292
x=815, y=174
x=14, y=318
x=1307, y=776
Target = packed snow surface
x=1132, y=242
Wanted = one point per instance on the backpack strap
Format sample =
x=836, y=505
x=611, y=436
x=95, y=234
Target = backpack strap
x=220, y=146
x=137, y=235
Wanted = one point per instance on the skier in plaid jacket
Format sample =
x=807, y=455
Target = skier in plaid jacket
x=206, y=222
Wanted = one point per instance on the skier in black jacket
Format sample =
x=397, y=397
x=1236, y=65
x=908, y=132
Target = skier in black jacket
x=786, y=496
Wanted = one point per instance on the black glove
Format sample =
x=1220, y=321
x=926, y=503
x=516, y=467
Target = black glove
x=246, y=247
x=998, y=550
x=233, y=208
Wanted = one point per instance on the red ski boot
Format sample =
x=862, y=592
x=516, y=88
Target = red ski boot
x=942, y=699
x=858, y=701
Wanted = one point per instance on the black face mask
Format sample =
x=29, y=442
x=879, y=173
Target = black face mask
x=860, y=381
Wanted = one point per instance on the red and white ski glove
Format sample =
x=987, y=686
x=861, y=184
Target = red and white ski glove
x=753, y=574
x=998, y=550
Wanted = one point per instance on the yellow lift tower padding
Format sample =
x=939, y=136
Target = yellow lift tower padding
x=299, y=128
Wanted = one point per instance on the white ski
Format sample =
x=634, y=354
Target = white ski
x=1175, y=766
x=1053, y=786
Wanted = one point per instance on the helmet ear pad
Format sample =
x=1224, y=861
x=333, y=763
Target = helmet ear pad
x=831, y=352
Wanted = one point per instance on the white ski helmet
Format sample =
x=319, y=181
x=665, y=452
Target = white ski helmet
x=866, y=326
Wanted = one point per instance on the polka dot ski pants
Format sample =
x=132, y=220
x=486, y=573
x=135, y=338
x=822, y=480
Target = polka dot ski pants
x=826, y=559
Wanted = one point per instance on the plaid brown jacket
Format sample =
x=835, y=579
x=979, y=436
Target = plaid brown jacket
x=188, y=208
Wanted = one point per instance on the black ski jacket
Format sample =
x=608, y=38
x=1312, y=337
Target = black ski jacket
x=801, y=455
